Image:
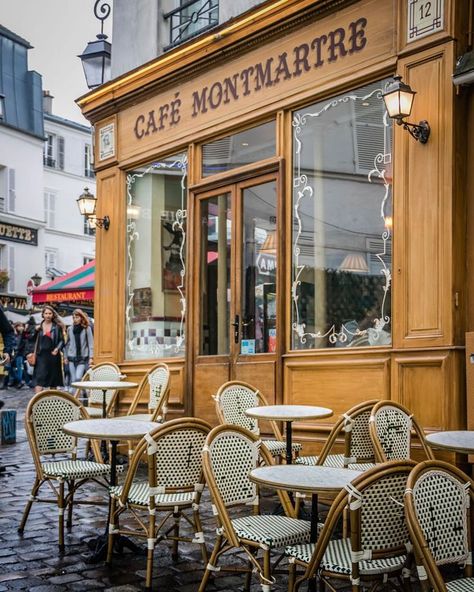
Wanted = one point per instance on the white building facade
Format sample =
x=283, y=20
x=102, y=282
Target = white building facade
x=69, y=242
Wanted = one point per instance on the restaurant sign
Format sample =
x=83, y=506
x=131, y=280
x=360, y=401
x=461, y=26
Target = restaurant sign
x=72, y=295
x=18, y=234
x=297, y=61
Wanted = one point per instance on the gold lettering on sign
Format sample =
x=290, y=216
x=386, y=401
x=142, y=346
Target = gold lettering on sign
x=303, y=58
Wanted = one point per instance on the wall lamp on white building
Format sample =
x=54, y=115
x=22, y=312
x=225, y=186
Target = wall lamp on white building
x=87, y=204
x=399, y=99
x=36, y=279
x=96, y=58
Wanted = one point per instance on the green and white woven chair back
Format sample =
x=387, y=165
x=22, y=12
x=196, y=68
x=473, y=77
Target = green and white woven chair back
x=441, y=503
x=157, y=381
x=179, y=458
x=393, y=428
x=383, y=525
x=48, y=416
x=233, y=401
x=361, y=443
x=232, y=457
x=102, y=373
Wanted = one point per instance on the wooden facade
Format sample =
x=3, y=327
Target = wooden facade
x=432, y=303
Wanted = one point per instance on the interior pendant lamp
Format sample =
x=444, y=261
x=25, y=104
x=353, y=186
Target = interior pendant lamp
x=87, y=203
x=96, y=58
x=398, y=98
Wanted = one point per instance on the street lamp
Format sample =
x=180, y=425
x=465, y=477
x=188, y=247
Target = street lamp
x=87, y=203
x=96, y=57
x=36, y=279
x=398, y=98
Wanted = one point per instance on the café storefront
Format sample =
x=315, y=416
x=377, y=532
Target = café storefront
x=269, y=223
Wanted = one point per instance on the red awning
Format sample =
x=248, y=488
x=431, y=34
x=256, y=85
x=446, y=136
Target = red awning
x=73, y=287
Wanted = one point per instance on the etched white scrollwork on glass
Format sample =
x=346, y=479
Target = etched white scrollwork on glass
x=342, y=222
x=155, y=311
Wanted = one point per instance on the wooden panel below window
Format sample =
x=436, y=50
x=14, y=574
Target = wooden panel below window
x=207, y=379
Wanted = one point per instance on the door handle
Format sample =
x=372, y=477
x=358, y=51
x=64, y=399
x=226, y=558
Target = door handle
x=236, y=325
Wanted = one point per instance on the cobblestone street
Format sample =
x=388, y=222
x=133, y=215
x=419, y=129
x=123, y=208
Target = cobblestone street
x=31, y=562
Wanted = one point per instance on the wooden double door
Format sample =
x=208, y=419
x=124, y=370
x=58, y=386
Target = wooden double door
x=237, y=302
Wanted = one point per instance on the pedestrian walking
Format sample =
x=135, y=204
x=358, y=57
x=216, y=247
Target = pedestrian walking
x=79, y=349
x=46, y=356
x=8, y=335
x=30, y=338
x=18, y=362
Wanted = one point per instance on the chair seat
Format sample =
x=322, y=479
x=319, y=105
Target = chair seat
x=277, y=448
x=462, y=585
x=94, y=411
x=333, y=460
x=274, y=531
x=75, y=469
x=139, y=495
x=337, y=559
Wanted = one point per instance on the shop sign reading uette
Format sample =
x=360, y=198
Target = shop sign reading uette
x=339, y=43
x=18, y=234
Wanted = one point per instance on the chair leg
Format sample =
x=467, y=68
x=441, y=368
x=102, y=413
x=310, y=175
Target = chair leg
x=174, y=552
x=70, y=504
x=61, y=517
x=199, y=533
x=266, y=579
x=291, y=576
x=150, y=551
x=110, y=538
x=26, y=511
x=212, y=564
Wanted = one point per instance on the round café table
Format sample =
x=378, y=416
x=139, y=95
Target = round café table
x=305, y=479
x=104, y=386
x=112, y=430
x=288, y=414
x=461, y=441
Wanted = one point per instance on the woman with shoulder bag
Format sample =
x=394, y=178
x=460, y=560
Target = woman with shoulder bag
x=46, y=357
x=80, y=345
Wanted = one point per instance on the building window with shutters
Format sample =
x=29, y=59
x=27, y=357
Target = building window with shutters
x=342, y=222
x=53, y=151
x=11, y=190
x=88, y=164
x=50, y=209
x=50, y=259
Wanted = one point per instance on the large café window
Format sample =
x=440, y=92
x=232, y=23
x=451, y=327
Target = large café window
x=342, y=222
x=156, y=267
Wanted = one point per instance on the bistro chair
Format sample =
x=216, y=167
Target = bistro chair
x=156, y=380
x=103, y=371
x=359, y=452
x=233, y=398
x=391, y=426
x=438, y=502
x=174, y=486
x=378, y=545
x=230, y=453
x=46, y=414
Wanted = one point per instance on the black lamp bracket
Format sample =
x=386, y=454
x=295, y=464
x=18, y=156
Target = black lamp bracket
x=420, y=131
x=102, y=222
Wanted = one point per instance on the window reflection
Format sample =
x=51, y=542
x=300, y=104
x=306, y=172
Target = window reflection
x=156, y=269
x=342, y=222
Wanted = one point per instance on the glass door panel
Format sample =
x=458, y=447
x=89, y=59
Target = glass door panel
x=259, y=269
x=215, y=275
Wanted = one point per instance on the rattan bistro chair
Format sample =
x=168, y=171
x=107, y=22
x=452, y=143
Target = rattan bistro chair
x=230, y=453
x=438, y=502
x=175, y=484
x=359, y=452
x=157, y=381
x=233, y=398
x=46, y=414
x=104, y=371
x=391, y=426
x=378, y=546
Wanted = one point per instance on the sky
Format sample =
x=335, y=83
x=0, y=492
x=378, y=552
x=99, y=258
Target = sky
x=59, y=31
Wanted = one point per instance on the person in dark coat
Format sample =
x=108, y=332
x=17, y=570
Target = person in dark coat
x=8, y=336
x=48, y=372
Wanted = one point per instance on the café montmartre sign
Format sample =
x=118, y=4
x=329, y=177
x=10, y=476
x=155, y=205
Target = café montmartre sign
x=302, y=59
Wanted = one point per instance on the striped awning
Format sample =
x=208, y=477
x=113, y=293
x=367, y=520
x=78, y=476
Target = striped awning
x=75, y=286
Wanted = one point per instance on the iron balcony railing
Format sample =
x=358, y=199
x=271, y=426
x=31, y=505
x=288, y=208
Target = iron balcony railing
x=191, y=19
